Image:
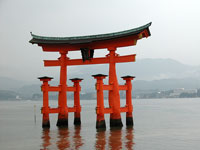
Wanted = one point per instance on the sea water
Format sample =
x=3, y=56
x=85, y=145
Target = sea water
x=159, y=124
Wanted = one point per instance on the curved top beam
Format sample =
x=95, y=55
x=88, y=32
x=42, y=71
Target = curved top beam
x=90, y=38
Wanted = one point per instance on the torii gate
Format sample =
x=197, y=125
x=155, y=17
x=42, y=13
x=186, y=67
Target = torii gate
x=87, y=45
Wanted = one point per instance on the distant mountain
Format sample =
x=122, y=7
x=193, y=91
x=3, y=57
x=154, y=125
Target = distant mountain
x=28, y=90
x=156, y=69
x=166, y=84
x=143, y=69
x=150, y=74
x=8, y=95
x=10, y=84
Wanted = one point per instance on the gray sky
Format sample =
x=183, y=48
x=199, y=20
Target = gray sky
x=175, y=29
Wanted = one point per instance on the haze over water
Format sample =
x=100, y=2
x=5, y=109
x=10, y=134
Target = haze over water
x=160, y=124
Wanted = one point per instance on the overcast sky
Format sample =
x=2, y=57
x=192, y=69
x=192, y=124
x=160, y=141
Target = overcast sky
x=175, y=29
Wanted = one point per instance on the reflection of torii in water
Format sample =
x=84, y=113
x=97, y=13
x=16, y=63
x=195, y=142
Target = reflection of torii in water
x=62, y=138
x=115, y=139
x=87, y=45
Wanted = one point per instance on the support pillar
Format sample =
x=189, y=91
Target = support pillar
x=62, y=99
x=45, y=108
x=129, y=114
x=77, y=113
x=100, y=123
x=114, y=97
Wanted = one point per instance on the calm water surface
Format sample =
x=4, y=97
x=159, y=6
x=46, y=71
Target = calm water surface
x=160, y=124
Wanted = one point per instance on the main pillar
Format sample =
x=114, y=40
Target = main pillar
x=114, y=97
x=62, y=98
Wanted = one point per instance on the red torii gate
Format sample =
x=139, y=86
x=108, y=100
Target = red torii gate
x=87, y=45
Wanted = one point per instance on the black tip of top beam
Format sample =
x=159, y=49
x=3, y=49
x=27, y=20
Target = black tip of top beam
x=45, y=77
x=76, y=79
x=99, y=75
x=127, y=77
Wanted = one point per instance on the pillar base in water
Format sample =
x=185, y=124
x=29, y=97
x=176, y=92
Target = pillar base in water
x=100, y=124
x=129, y=121
x=77, y=121
x=116, y=123
x=62, y=122
x=45, y=124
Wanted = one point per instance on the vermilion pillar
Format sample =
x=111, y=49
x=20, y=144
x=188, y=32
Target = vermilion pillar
x=62, y=100
x=100, y=123
x=114, y=97
x=77, y=115
x=129, y=116
x=45, y=108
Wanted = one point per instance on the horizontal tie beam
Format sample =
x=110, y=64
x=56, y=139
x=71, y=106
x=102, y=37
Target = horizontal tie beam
x=54, y=89
x=71, y=89
x=124, y=109
x=102, y=60
x=49, y=63
x=58, y=88
x=123, y=59
x=57, y=110
x=123, y=87
x=87, y=62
